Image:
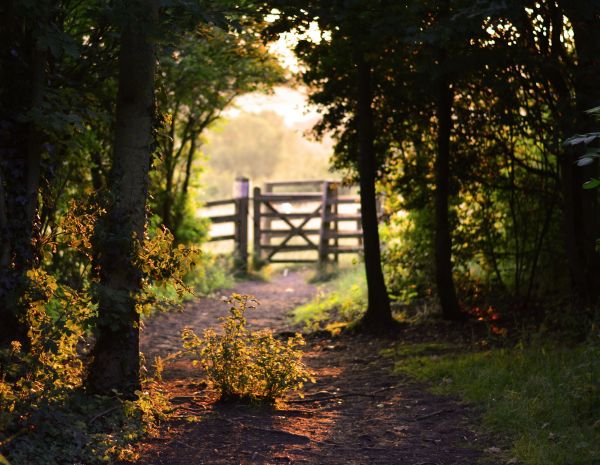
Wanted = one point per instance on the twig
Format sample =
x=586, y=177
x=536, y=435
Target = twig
x=433, y=414
x=14, y=436
x=101, y=414
x=339, y=396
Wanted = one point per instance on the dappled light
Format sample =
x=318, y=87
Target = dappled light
x=323, y=232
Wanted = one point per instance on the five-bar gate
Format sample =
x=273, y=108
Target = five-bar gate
x=314, y=223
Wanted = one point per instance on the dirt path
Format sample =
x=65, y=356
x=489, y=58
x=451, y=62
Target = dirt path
x=358, y=412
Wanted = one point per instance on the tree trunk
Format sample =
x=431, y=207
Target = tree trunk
x=443, y=239
x=116, y=362
x=20, y=170
x=378, y=317
x=582, y=218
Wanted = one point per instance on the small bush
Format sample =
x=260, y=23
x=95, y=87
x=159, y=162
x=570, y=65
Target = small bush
x=245, y=364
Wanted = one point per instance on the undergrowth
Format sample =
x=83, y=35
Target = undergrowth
x=544, y=399
x=245, y=364
x=45, y=415
x=210, y=273
x=343, y=301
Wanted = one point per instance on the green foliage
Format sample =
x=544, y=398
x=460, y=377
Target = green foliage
x=545, y=399
x=41, y=396
x=246, y=364
x=406, y=254
x=343, y=300
x=210, y=273
x=201, y=74
x=59, y=426
x=164, y=264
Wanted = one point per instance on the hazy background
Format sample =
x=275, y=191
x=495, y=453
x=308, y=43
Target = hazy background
x=264, y=137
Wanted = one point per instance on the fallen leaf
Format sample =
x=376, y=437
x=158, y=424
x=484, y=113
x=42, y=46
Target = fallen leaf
x=493, y=450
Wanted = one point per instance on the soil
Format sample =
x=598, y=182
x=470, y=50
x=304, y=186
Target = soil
x=358, y=412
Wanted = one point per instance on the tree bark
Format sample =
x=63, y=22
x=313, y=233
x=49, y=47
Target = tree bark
x=116, y=361
x=582, y=219
x=20, y=166
x=443, y=238
x=378, y=317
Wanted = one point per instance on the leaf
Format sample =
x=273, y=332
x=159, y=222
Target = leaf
x=585, y=161
x=3, y=460
x=582, y=139
x=593, y=111
x=591, y=184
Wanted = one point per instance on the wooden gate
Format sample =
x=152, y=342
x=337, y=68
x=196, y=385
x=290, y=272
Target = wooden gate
x=313, y=224
x=303, y=221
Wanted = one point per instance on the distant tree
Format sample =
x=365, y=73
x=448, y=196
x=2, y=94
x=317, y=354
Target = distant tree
x=200, y=76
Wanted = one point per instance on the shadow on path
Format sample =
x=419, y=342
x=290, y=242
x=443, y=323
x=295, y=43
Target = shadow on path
x=358, y=411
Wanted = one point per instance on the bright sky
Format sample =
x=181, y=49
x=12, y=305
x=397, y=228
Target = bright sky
x=290, y=103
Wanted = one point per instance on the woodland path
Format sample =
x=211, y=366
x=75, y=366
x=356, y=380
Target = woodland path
x=357, y=413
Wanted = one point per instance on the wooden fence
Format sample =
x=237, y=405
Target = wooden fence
x=305, y=220
x=239, y=218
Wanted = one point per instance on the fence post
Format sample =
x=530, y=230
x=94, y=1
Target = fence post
x=267, y=223
x=325, y=223
x=257, y=219
x=335, y=210
x=241, y=192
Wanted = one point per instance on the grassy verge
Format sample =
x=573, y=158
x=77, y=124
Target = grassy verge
x=342, y=300
x=544, y=400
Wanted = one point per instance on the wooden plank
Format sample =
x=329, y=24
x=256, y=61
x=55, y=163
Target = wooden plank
x=344, y=217
x=242, y=187
x=217, y=203
x=294, y=230
x=326, y=210
x=222, y=238
x=289, y=197
x=292, y=260
x=288, y=248
x=347, y=199
x=344, y=249
x=300, y=182
x=345, y=235
x=291, y=216
x=335, y=224
x=287, y=232
x=256, y=212
x=223, y=219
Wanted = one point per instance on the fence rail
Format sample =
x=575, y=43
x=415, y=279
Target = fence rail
x=290, y=222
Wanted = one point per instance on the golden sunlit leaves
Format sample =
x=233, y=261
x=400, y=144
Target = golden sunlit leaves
x=247, y=364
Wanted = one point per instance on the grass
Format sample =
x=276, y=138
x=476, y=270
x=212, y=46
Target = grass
x=544, y=400
x=343, y=300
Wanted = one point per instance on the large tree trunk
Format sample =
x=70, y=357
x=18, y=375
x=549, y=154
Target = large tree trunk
x=378, y=317
x=116, y=362
x=582, y=218
x=443, y=239
x=20, y=166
